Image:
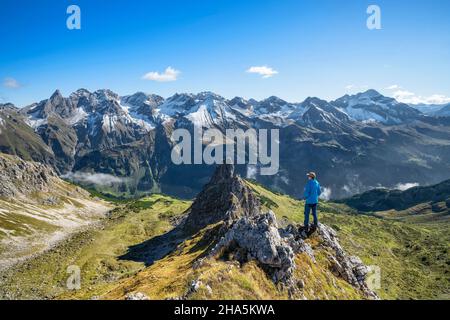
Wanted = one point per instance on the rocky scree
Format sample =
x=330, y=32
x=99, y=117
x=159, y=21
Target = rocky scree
x=21, y=178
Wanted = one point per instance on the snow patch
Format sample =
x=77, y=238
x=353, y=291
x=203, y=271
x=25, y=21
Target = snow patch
x=77, y=116
x=109, y=122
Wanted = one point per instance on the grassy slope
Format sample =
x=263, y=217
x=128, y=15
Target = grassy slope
x=95, y=251
x=32, y=222
x=398, y=247
x=17, y=217
x=413, y=257
x=20, y=139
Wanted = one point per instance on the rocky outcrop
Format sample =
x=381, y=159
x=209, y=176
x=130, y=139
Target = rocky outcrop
x=258, y=238
x=248, y=234
x=225, y=198
x=350, y=268
x=19, y=177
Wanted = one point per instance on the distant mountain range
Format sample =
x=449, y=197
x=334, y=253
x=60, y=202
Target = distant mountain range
x=436, y=198
x=355, y=143
x=437, y=110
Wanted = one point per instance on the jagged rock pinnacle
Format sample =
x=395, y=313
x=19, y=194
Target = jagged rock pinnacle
x=225, y=198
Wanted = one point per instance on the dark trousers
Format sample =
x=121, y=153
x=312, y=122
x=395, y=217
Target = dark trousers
x=308, y=208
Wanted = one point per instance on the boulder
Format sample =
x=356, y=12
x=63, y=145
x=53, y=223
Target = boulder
x=258, y=238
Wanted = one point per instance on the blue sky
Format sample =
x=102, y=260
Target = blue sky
x=317, y=47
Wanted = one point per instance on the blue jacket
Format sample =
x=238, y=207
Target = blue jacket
x=312, y=192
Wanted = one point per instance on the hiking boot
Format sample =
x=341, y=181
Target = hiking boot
x=304, y=232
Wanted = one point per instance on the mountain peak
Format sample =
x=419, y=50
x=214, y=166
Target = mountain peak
x=225, y=198
x=208, y=96
x=314, y=101
x=56, y=95
x=7, y=106
x=239, y=101
x=274, y=100
x=106, y=94
x=80, y=93
x=372, y=106
x=370, y=93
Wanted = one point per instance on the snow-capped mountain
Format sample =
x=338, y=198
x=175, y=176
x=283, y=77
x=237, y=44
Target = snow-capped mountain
x=319, y=114
x=372, y=106
x=205, y=109
x=142, y=105
x=129, y=137
x=145, y=112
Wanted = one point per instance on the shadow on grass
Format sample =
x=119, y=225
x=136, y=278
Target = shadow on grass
x=159, y=247
x=155, y=248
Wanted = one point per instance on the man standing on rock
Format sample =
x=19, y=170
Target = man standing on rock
x=311, y=194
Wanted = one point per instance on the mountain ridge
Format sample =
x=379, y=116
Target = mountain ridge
x=384, y=199
x=130, y=137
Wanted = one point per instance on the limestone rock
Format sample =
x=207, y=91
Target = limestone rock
x=21, y=178
x=350, y=268
x=258, y=238
x=136, y=296
x=225, y=198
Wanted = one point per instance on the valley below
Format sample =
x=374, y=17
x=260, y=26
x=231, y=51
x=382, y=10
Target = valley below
x=138, y=251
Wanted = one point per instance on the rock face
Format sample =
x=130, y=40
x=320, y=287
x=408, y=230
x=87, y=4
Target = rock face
x=257, y=238
x=17, y=138
x=225, y=198
x=248, y=234
x=19, y=177
x=349, y=267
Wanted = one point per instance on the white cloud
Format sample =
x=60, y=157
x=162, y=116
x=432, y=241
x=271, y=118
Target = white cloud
x=352, y=87
x=405, y=96
x=100, y=179
x=170, y=74
x=411, y=98
x=251, y=172
x=11, y=83
x=264, y=71
x=406, y=186
x=326, y=194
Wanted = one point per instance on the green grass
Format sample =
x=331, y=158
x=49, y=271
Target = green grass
x=95, y=251
x=413, y=257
